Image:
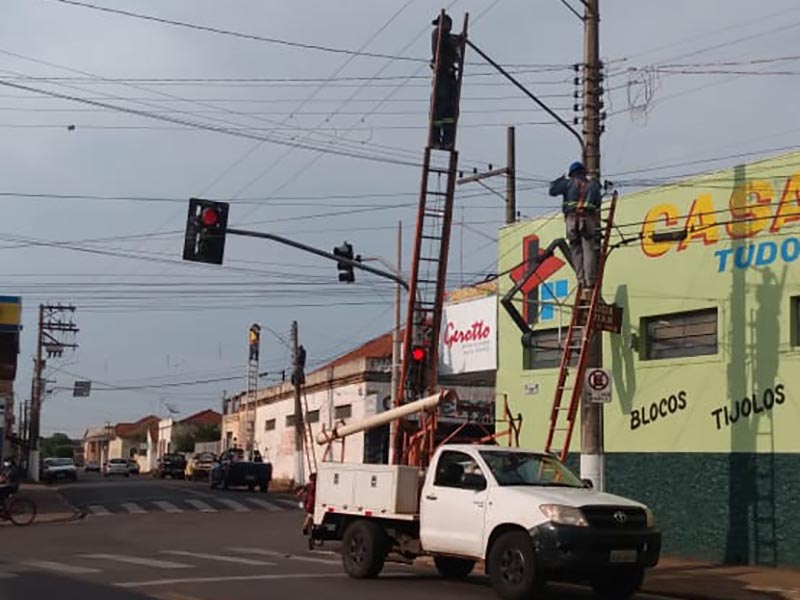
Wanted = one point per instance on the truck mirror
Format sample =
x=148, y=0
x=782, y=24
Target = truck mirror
x=587, y=483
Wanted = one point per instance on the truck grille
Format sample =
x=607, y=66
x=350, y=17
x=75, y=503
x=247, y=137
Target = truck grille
x=615, y=517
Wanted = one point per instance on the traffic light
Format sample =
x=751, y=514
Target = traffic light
x=418, y=354
x=206, y=225
x=345, y=251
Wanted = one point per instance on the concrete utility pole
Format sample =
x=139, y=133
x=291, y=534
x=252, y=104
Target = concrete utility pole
x=297, y=380
x=592, y=458
x=396, y=342
x=511, y=179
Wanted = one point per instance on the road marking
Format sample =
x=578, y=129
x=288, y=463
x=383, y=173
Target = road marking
x=157, y=582
x=218, y=558
x=58, y=567
x=288, y=504
x=200, y=505
x=133, y=508
x=264, y=504
x=135, y=560
x=275, y=554
x=237, y=506
x=99, y=510
x=167, y=506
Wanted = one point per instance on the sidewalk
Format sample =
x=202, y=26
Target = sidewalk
x=695, y=580
x=51, y=507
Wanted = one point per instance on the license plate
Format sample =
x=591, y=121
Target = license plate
x=623, y=556
x=249, y=478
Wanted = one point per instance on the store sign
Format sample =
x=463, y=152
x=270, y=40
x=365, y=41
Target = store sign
x=469, y=337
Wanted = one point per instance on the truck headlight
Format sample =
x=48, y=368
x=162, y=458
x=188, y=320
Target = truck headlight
x=564, y=515
x=651, y=518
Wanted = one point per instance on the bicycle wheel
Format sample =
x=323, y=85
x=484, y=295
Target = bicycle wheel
x=21, y=511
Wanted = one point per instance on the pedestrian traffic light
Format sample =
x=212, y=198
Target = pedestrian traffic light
x=345, y=251
x=418, y=354
x=206, y=225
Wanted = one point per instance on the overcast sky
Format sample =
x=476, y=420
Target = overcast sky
x=147, y=319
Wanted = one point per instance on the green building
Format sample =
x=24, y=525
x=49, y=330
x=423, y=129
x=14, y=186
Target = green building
x=704, y=424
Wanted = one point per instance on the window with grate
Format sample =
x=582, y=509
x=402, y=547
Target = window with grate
x=269, y=425
x=289, y=420
x=676, y=335
x=545, y=353
x=343, y=412
x=312, y=416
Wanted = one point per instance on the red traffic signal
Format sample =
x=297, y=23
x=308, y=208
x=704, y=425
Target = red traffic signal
x=209, y=217
x=418, y=354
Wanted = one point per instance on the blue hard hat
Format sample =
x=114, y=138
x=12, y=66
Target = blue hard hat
x=576, y=166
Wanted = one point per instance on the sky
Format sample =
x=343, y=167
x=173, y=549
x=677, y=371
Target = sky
x=322, y=146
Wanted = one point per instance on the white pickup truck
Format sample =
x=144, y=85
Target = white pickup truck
x=523, y=513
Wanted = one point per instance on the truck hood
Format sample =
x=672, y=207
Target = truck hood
x=576, y=497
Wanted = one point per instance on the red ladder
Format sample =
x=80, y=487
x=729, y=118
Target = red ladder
x=578, y=339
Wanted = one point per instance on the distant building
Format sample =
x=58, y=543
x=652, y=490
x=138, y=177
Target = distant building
x=172, y=433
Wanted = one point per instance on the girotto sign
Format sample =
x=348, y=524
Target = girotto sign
x=469, y=336
x=756, y=208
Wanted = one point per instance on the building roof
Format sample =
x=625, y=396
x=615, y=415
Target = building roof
x=379, y=347
x=204, y=417
x=140, y=426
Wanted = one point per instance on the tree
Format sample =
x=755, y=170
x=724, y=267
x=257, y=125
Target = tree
x=57, y=445
x=207, y=433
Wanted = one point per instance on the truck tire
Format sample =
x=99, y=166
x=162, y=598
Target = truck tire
x=363, y=549
x=618, y=584
x=512, y=566
x=453, y=568
x=263, y=488
x=251, y=487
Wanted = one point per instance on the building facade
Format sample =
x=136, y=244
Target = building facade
x=704, y=421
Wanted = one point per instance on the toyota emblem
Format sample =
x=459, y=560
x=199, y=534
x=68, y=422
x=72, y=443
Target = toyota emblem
x=620, y=517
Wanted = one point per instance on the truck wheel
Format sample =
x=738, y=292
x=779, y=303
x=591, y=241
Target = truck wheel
x=453, y=568
x=363, y=550
x=263, y=488
x=251, y=487
x=512, y=566
x=618, y=584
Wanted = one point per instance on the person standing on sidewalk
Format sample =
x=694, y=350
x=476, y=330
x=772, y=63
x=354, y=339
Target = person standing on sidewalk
x=581, y=207
x=309, y=493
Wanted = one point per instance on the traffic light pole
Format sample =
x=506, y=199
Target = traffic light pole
x=353, y=263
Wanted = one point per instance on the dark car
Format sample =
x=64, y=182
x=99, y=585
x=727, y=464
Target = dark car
x=231, y=470
x=171, y=465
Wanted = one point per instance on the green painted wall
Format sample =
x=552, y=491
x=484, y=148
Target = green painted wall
x=657, y=444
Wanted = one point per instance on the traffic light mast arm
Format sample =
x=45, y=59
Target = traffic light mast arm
x=339, y=259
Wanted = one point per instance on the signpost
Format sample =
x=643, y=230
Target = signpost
x=598, y=385
x=608, y=317
x=82, y=389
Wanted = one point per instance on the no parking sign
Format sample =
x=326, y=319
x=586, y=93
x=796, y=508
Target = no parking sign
x=598, y=385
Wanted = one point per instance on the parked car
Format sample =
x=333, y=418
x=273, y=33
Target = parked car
x=133, y=467
x=171, y=465
x=200, y=466
x=231, y=470
x=116, y=466
x=92, y=466
x=55, y=469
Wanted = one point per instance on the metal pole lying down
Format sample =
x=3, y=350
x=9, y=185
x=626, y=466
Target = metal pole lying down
x=341, y=431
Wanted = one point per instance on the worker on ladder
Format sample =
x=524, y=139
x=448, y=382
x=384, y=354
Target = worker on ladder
x=446, y=78
x=581, y=207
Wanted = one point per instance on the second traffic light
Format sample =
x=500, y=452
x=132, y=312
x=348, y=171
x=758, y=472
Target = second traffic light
x=346, y=270
x=206, y=225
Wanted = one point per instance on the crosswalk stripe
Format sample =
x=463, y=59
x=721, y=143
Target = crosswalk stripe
x=167, y=506
x=276, y=554
x=220, y=558
x=287, y=504
x=135, y=560
x=58, y=567
x=237, y=506
x=99, y=510
x=133, y=508
x=263, y=504
x=200, y=505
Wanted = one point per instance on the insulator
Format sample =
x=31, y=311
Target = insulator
x=576, y=107
x=576, y=81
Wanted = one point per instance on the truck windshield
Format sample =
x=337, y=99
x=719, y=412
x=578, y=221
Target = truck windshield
x=526, y=468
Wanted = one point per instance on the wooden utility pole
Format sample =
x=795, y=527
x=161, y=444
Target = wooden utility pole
x=298, y=378
x=396, y=344
x=592, y=459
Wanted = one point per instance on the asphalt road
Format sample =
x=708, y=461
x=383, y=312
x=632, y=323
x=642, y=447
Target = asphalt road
x=197, y=555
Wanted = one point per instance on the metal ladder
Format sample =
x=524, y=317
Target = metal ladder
x=250, y=407
x=311, y=455
x=578, y=340
x=429, y=264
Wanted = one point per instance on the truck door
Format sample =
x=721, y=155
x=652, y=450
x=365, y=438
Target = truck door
x=453, y=505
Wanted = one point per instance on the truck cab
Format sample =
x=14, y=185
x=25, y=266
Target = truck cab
x=524, y=514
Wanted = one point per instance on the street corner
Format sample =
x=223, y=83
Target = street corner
x=51, y=505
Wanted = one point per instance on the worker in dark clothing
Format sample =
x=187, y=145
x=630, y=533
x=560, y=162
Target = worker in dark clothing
x=444, y=122
x=581, y=206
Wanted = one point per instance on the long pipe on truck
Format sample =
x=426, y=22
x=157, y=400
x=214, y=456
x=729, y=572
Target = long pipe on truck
x=383, y=418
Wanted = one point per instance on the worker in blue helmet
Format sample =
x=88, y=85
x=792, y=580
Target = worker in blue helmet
x=581, y=207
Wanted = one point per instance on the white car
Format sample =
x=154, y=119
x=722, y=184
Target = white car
x=59, y=468
x=116, y=466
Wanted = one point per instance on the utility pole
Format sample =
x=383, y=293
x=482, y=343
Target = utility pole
x=298, y=377
x=511, y=179
x=396, y=343
x=54, y=326
x=592, y=453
